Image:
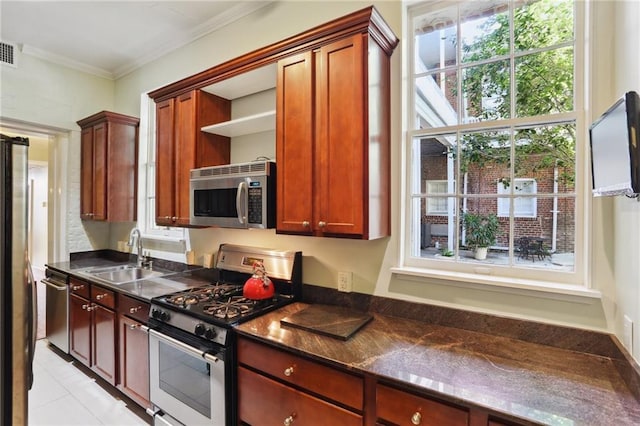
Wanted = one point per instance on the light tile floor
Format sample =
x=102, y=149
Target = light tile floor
x=63, y=394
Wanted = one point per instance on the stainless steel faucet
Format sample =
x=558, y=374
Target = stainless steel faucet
x=142, y=261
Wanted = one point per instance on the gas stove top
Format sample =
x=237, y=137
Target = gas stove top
x=209, y=311
x=218, y=303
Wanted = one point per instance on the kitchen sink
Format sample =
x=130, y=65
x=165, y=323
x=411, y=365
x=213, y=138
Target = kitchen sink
x=125, y=273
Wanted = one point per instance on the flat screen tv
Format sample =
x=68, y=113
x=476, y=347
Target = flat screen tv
x=615, y=154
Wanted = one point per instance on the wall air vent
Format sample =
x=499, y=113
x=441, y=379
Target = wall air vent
x=7, y=53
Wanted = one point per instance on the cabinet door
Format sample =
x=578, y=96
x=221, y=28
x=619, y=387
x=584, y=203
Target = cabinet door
x=80, y=329
x=185, y=153
x=340, y=137
x=294, y=144
x=100, y=133
x=86, y=173
x=164, y=165
x=134, y=360
x=104, y=351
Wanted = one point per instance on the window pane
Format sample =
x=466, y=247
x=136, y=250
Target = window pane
x=484, y=30
x=436, y=101
x=437, y=232
x=435, y=40
x=544, y=83
x=543, y=23
x=548, y=155
x=484, y=161
x=485, y=91
x=436, y=163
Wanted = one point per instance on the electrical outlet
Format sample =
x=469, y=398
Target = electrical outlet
x=627, y=334
x=345, y=281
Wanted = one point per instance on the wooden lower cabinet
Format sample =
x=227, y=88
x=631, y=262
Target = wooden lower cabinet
x=80, y=329
x=263, y=401
x=397, y=407
x=92, y=328
x=134, y=349
x=277, y=387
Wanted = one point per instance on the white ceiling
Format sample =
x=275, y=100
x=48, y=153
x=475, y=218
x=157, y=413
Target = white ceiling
x=112, y=38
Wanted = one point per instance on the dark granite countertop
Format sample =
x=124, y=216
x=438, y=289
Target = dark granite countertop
x=179, y=278
x=529, y=381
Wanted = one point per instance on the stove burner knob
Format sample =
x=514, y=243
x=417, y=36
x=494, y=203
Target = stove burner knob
x=200, y=329
x=210, y=333
x=155, y=313
x=164, y=316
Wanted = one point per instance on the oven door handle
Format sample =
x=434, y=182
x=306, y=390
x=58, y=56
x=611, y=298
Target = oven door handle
x=176, y=343
x=210, y=357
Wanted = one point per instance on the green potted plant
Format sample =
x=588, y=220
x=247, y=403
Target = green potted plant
x=481, y=232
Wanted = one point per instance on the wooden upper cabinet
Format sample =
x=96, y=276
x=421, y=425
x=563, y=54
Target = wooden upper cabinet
x=295, y=183
x=332, y=128
x=108, y=168
x=332, y=141
x=182, y=146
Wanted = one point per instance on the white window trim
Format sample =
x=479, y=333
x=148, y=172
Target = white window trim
x=577, y=282
x=146, y=137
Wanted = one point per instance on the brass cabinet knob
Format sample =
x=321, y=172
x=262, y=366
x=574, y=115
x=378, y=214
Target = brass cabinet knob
x=101, y=296
x=134, y=310
x=416, y=418
x=288, y=421
x=306, y=223
x=288, y=371
x=77, y=287
x=322, y=224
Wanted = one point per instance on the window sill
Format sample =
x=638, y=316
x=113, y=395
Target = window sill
x=543, y=289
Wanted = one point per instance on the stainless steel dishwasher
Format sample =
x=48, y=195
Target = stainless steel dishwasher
x=57, y=308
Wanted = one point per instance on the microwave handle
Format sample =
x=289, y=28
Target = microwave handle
x=242, y=215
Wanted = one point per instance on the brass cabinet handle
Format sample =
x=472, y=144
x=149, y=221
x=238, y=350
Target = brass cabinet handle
x=134, y=310
x=174, y=218
x=101, y=296
x=88, y=308
x=288, y=371
x=306, y=223
x=289, y=420
x=322, y=224
x=416, y=418
x=77, y=287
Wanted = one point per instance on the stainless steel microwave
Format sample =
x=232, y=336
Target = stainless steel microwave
x=234, y=196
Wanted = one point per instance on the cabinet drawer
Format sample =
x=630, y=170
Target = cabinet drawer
x=262, y=401
x=133, y=308
x=333, y=384
x=402, y=408
x=78, y=287
x=103, y=296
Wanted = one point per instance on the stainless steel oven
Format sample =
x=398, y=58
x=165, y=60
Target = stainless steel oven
x=234, y=196
x=187, y=378
x=191, y=339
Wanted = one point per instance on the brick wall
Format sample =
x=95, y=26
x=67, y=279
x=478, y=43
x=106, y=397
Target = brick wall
x=484, y=180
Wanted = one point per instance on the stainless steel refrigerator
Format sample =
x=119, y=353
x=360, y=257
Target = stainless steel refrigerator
x=17, y=288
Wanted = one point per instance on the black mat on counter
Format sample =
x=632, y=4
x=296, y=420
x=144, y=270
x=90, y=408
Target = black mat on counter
x=332, y=321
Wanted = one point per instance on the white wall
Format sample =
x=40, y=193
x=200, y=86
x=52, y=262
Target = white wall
x=48, y=95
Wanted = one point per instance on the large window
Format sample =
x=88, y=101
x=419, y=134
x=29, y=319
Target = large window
x=495, y=132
